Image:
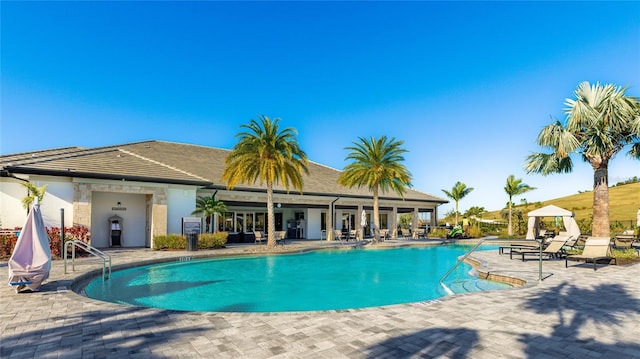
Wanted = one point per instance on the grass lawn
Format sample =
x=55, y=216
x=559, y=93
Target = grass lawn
x=624, y=202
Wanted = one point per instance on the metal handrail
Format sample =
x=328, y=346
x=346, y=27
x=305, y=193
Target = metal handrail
x=460, y=260
x=106, y=258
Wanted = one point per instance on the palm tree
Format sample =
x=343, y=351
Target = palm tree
x=458, y=192
x=266, y=154
x=514, y=188
x=601, y=121
x=208, y=207
x=33, y=192
x=377, y=164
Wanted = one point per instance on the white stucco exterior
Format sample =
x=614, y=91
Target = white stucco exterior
x=58, y=195
x=180, y=203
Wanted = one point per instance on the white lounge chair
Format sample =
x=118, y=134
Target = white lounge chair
x=595, y=249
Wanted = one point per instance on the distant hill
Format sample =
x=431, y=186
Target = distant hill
x=624, y=202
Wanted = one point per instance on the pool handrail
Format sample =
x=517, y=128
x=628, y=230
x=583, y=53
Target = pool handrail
x=460, y=260
x=106, y=258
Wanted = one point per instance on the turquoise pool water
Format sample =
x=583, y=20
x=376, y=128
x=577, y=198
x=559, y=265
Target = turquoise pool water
x=318, y=280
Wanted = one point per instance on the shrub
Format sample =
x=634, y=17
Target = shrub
x=75, y=233
x=474, y=232
x=170, y=241
x=439, y=233
x=212, y=240
x=8, y=241
x=630, y=253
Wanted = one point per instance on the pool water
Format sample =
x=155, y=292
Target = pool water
x=318, y=280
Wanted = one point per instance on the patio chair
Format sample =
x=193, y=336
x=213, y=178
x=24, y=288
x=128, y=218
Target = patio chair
x=259, y=237
x=406, y=234
x=595, y=249
x=384, y=234
x=337, y=235
x=280, y=237
x=553, y=250
x=353, y=235
x=622, y=242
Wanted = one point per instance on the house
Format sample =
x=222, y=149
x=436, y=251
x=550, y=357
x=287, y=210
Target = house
x=151, y=186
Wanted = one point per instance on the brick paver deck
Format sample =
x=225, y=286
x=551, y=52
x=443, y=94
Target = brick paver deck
x=575, y=312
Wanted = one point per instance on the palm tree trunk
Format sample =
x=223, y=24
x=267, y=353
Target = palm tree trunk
x=376, y=216
x=510, y=228
x=600, y=199
x=455, y=224
x=271, y=226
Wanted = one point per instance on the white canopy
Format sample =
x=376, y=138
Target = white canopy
x=570, y=224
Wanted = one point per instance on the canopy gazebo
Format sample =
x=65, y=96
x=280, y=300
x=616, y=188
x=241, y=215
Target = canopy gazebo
x=568, y=220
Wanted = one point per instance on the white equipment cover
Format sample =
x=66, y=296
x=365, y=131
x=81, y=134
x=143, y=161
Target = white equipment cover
x=30, y=262
x=569, y=222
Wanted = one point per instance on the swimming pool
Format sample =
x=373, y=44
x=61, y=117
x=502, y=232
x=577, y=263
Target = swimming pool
x=317, y=280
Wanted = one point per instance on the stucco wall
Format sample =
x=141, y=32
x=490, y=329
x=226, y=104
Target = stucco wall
x=313, y=218
x=180, y=203
x=134, y=218
x=59, y=194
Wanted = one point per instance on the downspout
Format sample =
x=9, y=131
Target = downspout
x=332, y=219
x=214, y=221
x=11, y=175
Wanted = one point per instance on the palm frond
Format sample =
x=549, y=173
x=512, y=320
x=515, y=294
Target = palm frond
x=376, y=163
x=547, y=164
x=266, y=154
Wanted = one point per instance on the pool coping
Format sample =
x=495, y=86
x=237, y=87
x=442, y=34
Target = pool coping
x=80, y=282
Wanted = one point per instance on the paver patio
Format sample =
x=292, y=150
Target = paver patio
x=575, y=312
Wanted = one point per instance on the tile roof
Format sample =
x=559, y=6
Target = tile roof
x=169, y=162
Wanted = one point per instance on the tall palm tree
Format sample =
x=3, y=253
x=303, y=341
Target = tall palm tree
x=601, y=121
x=269, y=156
x=376, y=164
x=33, y=192
x=458, y=192
x=208, y=207
x=514, y=188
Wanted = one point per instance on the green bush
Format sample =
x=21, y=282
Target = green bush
x=212, y=240
x=629, y=253
x=475, y=232
x=170, y=241
x=438, y=233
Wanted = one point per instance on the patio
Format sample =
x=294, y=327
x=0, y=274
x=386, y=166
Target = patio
x=574, y=312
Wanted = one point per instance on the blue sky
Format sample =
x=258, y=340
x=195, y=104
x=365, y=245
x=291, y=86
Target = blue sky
x=466, y=85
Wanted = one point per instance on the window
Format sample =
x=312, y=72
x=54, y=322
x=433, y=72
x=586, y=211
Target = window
x=226, y=222
x=383, y=221
x=248, y=222
x=260, y=222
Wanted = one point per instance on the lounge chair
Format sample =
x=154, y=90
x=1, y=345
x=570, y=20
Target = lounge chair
x=406, y=234
x=571, y=244
x=581, y=240
x=520, y=247
x=553, y=250
x=595, y=249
